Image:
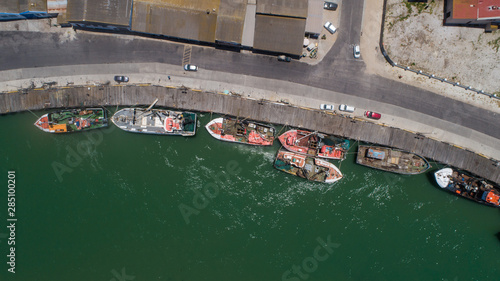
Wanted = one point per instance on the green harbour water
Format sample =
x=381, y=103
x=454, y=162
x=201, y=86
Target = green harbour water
x=111, y=209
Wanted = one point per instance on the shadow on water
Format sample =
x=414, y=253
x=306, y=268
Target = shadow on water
x=430, y=177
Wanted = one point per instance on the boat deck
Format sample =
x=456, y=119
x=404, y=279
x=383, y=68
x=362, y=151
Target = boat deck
x=155, y=121
x=306, y=167
x=73, y=120
x=473, y=188
x=391, y=160
x=237, y=129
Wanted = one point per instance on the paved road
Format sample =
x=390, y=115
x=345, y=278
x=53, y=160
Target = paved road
x=338, y=71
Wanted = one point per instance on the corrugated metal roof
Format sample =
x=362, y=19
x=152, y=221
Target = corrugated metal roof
x=116, y=12
x=279, y=34
x=9, y=6
x=20, y=6
x=314, y=21
x=290, y=8
x=182, y=21
x=32, y=5
x=230, y=21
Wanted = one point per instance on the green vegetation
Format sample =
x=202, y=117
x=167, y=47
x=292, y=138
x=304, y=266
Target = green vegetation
x=495, y=44
x=420, y=6
x=408, y=7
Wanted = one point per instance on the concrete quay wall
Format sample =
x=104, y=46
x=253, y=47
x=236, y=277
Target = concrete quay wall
x=260, y=110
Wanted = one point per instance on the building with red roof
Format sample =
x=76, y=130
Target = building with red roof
x=473, y=12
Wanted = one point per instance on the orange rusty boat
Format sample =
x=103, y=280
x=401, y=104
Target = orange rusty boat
x=241, y=131
x=314, y=144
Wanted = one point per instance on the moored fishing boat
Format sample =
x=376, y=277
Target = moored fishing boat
x=391, y=160
x=241, y=131
x=155, y=121
x=468, y=186
x=73, y=120
x=313, y=169
x=314, y=144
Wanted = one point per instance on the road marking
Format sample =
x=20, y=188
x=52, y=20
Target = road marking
x=186, y=57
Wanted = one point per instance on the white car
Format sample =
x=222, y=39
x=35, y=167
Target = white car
x=329, y=26
x=356, y=51
x=326, y=106
x=345, y=107
x=190, y=67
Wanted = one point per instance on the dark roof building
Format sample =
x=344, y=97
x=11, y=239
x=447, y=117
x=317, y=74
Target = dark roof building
x=280, y=26
x=99, y=12
x=188, y=19
x=279, y=34
x=276, y=26
x=230, y=22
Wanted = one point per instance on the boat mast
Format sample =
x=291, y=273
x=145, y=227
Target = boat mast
x=151, y=106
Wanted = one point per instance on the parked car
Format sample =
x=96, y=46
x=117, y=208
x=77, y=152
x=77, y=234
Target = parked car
x=372, y=115
x=120, y=78
x=347, y=108
x=330, y=6
x=326, y=106
x=190, y=67
x=356, y=51
x=284, y=58
x=311, y=46
x=329, y=26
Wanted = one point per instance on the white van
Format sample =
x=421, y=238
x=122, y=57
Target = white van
x=346, y=108
x=311, y=46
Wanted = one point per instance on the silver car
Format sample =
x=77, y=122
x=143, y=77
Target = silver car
x=190, y=67
x=346, y=108
x=329, y=26
x=326, y=106
x=356, y=51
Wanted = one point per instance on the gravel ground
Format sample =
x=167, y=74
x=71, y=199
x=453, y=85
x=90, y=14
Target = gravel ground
x=415, y=36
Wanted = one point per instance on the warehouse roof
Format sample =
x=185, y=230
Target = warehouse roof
x=21, y=6
x=189, y=19
x=230, y=21
x=115, y=12
x=279, y=34
x=314, y=21
x=289, y=8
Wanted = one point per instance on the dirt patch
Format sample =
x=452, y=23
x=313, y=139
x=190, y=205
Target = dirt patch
x=414, y=35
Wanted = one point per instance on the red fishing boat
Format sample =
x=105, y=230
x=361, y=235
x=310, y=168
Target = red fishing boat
x=241, y=131
x=314, y=144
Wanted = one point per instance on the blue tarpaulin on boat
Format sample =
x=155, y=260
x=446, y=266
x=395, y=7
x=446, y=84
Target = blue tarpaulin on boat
x=377, y=154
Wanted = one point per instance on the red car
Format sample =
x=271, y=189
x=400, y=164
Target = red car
x=372, y=115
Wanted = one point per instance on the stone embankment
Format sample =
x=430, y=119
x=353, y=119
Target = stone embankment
x=260, y=110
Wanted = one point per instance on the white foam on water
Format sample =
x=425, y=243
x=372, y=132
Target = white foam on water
x=167, y=162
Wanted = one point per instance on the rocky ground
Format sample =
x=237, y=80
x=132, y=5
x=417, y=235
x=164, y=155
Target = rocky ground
x=414, y=36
